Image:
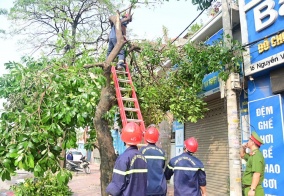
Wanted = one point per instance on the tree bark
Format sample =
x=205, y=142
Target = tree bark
x=107, y=100
x=104, y=137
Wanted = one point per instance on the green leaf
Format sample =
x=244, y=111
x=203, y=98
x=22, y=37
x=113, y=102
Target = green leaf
x=31, y=161
x=12, y=155
x=37, y=168
x=7, y=163
x=30, y=144
x=50, y=155
x=44, y=151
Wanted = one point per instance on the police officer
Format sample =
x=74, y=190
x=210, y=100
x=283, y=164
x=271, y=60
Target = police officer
x=254, y=173
x=155, y=156
x=190, y=177
x=130, y=169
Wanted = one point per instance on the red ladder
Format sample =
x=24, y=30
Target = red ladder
x=122, y=101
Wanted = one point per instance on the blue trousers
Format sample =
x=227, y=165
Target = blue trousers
x=112, y=42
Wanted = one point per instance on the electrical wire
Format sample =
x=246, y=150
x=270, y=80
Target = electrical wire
x=258, y=40
x=186, y=28
x=188, y=25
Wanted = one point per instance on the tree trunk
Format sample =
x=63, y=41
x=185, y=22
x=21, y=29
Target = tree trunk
x=104, y=136
x=107, y=99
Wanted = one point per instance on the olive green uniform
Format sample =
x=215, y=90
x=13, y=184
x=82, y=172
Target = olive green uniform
x=255, y=163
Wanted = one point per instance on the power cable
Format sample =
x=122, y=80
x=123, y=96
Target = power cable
x=258, y=40
x=186, y=28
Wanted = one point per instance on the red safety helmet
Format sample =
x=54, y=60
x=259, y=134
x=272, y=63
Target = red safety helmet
x=191, y=144
x=151, y=135
x=131, y=134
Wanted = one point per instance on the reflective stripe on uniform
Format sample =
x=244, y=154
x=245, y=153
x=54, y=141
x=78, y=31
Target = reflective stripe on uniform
x=170, y=167
x=185, y=168
x=188, y=168
x=119, y=172
x=132, y=171
x=155, y=157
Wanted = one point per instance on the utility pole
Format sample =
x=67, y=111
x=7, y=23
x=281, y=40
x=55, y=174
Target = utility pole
x=232, y=111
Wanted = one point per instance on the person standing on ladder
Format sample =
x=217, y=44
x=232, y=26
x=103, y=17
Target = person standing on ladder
x=155, y=156
x=130, y=169
x=126, y=18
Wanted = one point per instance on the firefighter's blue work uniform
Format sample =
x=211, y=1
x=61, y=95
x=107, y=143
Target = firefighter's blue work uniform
x=155, y=156
x=189, y=174
x=129, y=174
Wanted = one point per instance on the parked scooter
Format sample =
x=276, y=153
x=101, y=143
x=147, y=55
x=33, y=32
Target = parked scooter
x=82, y=165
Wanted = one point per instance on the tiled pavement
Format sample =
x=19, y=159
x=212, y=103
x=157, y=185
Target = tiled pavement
x=89, y=184
x=83, y=184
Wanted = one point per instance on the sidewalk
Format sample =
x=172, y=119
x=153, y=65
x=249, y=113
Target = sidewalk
x=82, y=184
x=89, y=184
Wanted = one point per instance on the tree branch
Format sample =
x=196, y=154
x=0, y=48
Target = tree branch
x=87, y=66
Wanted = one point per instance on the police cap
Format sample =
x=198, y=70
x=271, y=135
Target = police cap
x=256, y=139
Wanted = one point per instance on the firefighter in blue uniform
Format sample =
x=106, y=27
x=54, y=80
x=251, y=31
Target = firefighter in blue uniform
x=190, y=177
x=130, y=169
x=155, y=156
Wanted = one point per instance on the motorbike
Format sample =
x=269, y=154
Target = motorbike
x=82, y=165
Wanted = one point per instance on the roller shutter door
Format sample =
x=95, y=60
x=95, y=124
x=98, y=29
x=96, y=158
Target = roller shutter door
x=212, y=135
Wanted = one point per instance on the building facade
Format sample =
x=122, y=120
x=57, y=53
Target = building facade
x=212, y=131
x=262, y=24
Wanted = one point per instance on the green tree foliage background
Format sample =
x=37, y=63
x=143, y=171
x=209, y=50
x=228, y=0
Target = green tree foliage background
x=46, y=102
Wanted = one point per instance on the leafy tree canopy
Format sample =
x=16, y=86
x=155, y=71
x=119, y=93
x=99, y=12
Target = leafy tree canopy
x=80, y=24
x=46, y=102
x=177, y=89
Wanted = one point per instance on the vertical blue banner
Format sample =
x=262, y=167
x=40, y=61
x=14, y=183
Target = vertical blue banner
x=266, y=117
x=118, y=144
x=244, y=119
x=178, y=128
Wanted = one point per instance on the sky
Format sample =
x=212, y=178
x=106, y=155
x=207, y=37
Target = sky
x=175, y=15
x=146, y=24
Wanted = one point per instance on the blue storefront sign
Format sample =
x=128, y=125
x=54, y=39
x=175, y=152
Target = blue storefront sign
x=266, y=118
x=218, y=36
x=210, y=82
x=177, y=126
x=262, y=24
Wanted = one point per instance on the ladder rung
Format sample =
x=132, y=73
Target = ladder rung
x=131, y=109
x=123, y=80
x=128, y=99
x=133, y=120
x=121, y=72
x=125, y=89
